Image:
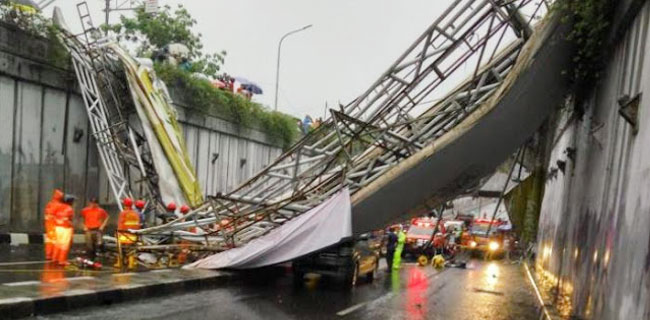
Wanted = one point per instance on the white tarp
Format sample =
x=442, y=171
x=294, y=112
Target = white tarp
x=320, y=227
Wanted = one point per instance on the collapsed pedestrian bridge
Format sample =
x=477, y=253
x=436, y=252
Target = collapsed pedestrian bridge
x=462, y=98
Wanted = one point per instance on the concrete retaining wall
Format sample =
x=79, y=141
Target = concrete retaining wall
x=594, y=232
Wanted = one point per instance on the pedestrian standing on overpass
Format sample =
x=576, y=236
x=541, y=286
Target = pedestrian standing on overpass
x=391, y=244
x=95, y=220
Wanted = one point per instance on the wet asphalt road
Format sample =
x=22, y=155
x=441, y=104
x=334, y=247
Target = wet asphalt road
x=485, y=290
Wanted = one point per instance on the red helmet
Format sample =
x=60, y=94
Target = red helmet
x=171, y=206
x=185, y=209
x=127, y=202
x=58, y=195
x=139, y=204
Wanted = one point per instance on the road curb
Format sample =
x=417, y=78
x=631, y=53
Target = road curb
x=33, y=238
x=20, y=307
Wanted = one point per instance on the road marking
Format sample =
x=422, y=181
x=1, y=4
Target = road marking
x=351, y=309
x=160, y=270
x=73, y=279
x=130, y=286
x=34, y=282
x=381, y=298
x=21, y=283
x=539, y=295
x=124, y=274
x=79, y=278
x=78, y=292
x=14, y=300
x=17, y=263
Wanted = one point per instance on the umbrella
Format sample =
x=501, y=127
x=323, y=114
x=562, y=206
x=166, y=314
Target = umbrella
x=178, y=49
x=218, y=84
x=250, y=86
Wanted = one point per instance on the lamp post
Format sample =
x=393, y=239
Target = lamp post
x=277, y=70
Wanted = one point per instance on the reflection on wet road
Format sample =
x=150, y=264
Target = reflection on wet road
x=485, y=290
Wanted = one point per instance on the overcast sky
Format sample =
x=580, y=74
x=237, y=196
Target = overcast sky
x=350, y=44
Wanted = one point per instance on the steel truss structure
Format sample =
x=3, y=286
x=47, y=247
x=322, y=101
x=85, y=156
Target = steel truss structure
x=401, y=113
x=394, y=119
x=123, y=151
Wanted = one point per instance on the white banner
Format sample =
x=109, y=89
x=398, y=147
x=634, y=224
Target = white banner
x=318, y=228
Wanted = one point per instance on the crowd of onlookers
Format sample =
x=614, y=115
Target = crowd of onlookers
x=308, y=124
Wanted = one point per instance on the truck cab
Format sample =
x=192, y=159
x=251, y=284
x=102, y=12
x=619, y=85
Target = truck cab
x=485, y=236
x=419, y=234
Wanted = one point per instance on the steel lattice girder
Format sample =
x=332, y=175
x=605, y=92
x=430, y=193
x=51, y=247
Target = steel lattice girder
x=119, y=145
x=378, y=130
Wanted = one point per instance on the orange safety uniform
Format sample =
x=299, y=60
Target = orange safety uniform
x=63, y=230
x=128, y=219
x=94, y=216
x=49, y=217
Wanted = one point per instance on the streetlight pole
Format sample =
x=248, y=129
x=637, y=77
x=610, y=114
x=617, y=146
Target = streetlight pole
x=277, y=70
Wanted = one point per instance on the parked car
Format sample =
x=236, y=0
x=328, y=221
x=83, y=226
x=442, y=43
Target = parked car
x=347, y=261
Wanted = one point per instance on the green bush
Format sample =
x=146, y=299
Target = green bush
x=201, y=95
x=34, y=24
x=591, y=22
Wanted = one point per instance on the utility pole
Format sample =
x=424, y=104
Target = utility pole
x=277, y=70
x=107, y=12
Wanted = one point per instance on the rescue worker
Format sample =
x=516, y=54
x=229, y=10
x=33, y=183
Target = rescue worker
x=49, y=215
x=397, y=259
x=185, y=209
x=139, y=208
x=184, y=244
x=95, y=220
x=128, y=219
x=391, y=243
x=170, y=214
x=63, y=229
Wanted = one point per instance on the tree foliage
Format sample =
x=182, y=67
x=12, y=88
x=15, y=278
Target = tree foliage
x=149, y=33
x=591, y=21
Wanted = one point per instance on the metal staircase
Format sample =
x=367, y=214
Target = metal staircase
x=122, y=149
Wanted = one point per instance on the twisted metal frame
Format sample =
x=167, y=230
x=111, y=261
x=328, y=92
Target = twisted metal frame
x=395, y=118
x=400, y=114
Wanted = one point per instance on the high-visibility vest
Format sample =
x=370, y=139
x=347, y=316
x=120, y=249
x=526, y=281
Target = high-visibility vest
x=52, y=206
x=63, y=215
x=128, y=219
